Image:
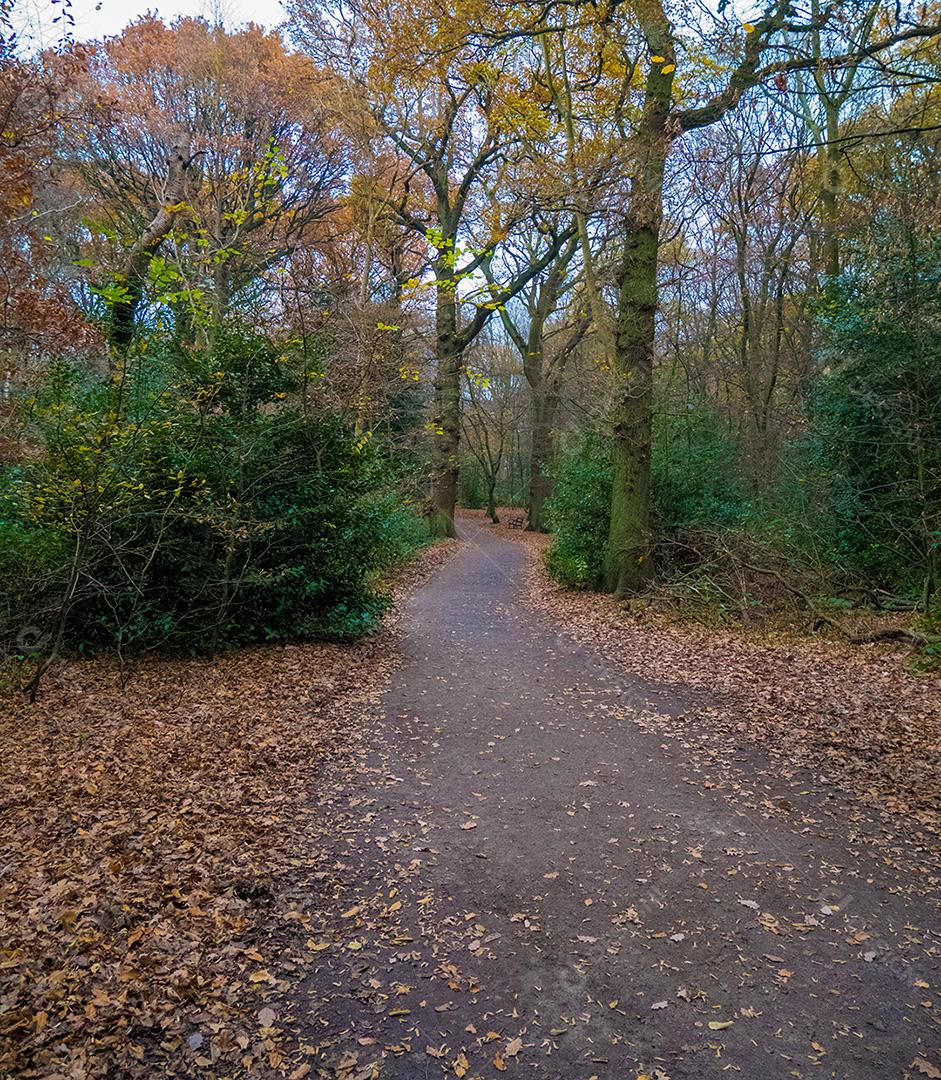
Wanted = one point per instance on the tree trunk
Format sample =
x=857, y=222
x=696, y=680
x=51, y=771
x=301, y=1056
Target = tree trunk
x=137, y=264
x=830, y=193
x=626, y=559
x=545, y=407
x=447, y=421
x=491, y=504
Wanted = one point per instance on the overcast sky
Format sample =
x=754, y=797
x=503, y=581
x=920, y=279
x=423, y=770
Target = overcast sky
x=98, y=18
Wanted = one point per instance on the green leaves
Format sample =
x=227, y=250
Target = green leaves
x=208, y=501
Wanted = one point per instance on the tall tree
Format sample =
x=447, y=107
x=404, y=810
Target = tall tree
x=544, y=349
x=775, y=44
x=208, y=147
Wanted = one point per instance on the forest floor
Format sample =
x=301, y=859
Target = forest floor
x=517, y=832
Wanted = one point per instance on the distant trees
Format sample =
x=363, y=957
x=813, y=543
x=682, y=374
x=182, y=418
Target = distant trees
x=493, y=412
x=456, y=112
x=203, y=161
x=37, y=312
x=545, y=332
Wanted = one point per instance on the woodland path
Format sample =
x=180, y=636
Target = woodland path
x=529, y=880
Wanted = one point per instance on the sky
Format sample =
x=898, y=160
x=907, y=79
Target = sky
x=99, y=18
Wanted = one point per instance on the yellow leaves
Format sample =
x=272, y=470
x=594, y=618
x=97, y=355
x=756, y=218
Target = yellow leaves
x=460, y=1065
x=748, y=28
x=770, y=923
x=317, y=946
x=658, y=59
x=262, y=975
x=720, y=1025
x=498, y=1062
x=667, y=68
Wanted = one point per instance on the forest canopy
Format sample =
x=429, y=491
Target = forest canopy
x=665, y=275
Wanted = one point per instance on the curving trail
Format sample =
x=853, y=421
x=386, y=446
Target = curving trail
x=529, y=879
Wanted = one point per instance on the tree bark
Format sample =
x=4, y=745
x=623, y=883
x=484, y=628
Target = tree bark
x=491, y=502
x=545, y=408
x=447, y=419
x=830, y=193
x=627, y=561
x=137, y=264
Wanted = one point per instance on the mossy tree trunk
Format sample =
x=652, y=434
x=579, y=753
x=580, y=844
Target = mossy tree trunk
x=449, y=351
x=627, y=558
x=451, y=341
x=545, y=410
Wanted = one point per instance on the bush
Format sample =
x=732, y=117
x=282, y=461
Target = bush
x=196, y=499
x=694, y=483
x=695, y=471
x=877, y=445
x=578, y=511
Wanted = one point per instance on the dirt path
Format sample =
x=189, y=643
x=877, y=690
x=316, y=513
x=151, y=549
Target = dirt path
x=531, y=880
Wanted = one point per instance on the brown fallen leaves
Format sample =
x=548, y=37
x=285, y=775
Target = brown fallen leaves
x=144, y=830
x=148, y=820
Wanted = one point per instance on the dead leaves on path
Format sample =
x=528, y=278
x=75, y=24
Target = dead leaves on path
x=856, y=716
x=144, y=830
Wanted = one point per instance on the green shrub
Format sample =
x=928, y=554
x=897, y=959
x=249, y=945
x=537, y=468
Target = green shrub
x=694, y=483
x=197, y=499
x=695, y=469
x=876, y=449
x=578, y=511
